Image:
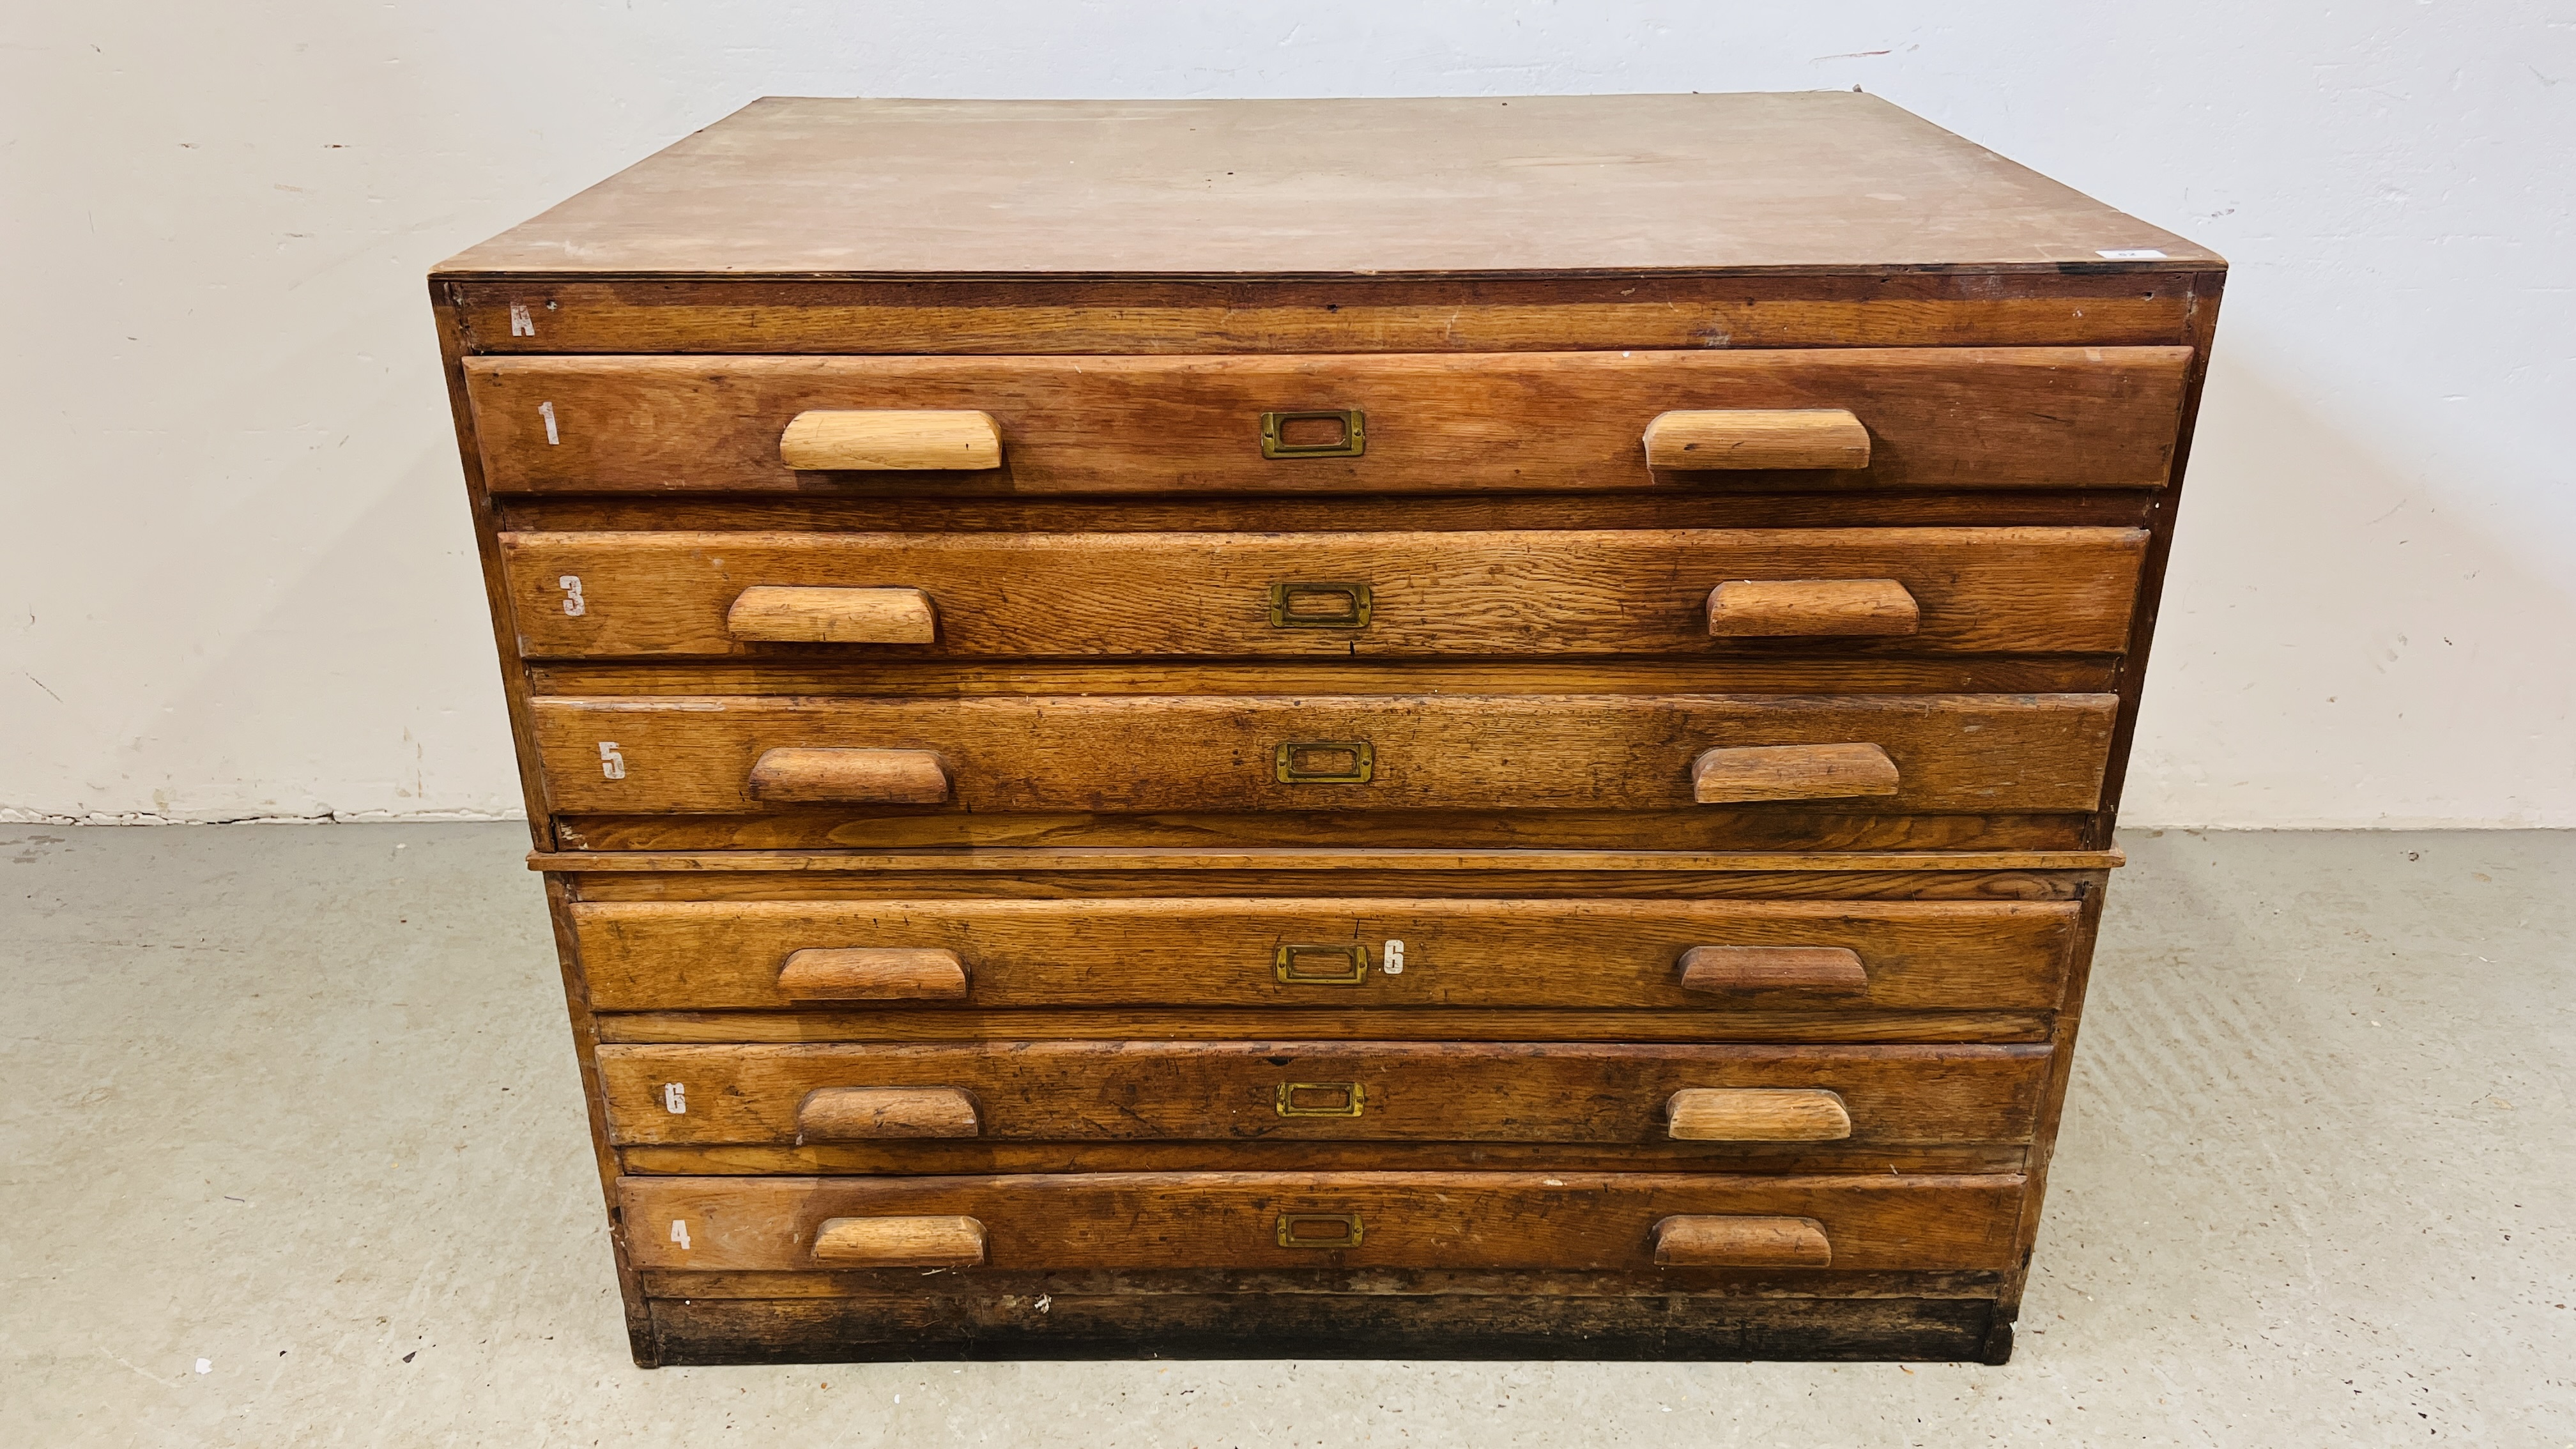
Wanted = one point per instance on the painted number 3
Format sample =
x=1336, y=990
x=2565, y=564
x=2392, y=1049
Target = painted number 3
x=611, y=763
x=571, y=586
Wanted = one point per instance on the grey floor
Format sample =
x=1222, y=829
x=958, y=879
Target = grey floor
x=294, y=1155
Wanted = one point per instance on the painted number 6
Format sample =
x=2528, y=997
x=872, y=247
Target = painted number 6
x=611, y=763
x=572, y=601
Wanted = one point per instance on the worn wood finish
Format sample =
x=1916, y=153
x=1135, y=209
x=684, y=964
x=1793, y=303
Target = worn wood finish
x=863, y=1114
x=959, y=1319
x=1337, y=1091
x=1824, y=825
x=1405, y=1023
x=1968, y=591
x=1910, y=955
x=1231, y=1220
x=1753, y=973
x=1812, y=180
x=792, y=776
x=1732, y=508
x=899, y=1242
x=868, y=973
x=2003, y=875
x=1736, y=774
x=1739, y=438
x=2123, y=305
x=1937, y=418
x=820, y=674
x=1172, y=753
x=1758, y=1114
x=1741, y=1242
x=766, y=614
x=873, y=440
x=1518, y=605
x=952, y=1157
x=1813, y=608
x=1497, y=1284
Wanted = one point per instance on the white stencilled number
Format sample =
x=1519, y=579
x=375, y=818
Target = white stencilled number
x=611, y=763
x=521, y=324
x=1394, y=959
x=571, y=586
x=546, y=410
x=675, y=1098
x=680, y=1233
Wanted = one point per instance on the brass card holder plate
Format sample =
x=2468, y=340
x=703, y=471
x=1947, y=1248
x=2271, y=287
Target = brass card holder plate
x=1353, y=613
x=1321, y=1099
x=1319, y=1230
x=1347, y=440
x=1350, y=964
x=1327, y=762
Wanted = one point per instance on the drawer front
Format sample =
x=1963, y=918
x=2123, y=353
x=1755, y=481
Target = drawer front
x=1934, y=418
x=1336, y=595
x=1356, y=1219
x=1080, y=1091
x=1151, y=753
x=1907, y=955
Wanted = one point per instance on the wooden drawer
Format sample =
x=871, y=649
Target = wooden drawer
x=1148, y=753
x=1355, y=1219
x=1085, y=1091
x=1933, y=418
x=1335, y=595
x=1901, y=955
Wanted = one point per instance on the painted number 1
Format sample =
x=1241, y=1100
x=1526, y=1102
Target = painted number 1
x=611, y=763
x=546, y=410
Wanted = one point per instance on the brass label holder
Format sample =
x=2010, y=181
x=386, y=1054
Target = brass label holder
x=1342, y=1099
x=1299, y=1230
x=1352, y=442
x=1356, y=600
x=1345, y=762
x=1350, y=963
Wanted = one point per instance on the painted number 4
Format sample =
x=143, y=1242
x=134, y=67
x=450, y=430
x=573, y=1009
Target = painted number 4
x=611, y=763
x=680, y=1233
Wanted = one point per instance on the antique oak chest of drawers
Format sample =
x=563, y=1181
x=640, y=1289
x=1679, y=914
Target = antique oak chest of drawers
x=1324, y=728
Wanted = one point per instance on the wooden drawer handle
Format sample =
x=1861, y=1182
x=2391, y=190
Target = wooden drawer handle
x=850, y=777
x=877, y=440
x=1791, y=772
x=900, y=1242
x=1760, y=970
x=872, y=973
x=1757, y=1114
x=1840, y=608
x=864, y=1114
x=1757, y=438
x=772, y=613
x=1728, y=1242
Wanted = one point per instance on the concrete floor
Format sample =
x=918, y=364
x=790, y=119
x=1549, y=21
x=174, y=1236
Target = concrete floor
x=294, y=1156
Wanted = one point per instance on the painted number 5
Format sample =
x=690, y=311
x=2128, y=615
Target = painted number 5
x=571, y=586
x=611, y=763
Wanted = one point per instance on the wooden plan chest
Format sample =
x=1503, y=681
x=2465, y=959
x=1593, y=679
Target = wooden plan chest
x=1427, y=728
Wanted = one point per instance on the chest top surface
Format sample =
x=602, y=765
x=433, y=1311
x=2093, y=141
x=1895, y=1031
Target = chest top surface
x=1821, y=181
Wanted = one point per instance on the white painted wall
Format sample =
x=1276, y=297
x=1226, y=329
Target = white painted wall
x=238, y=577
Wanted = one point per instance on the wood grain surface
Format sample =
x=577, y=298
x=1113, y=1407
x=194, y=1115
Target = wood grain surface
x=806, y=186
x=1430, y=1091
x=1574, y=421
x=1961, y=590
x=1228, y=1220
x=1910, y=955
x=1139, y=755
x=2113, y=306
